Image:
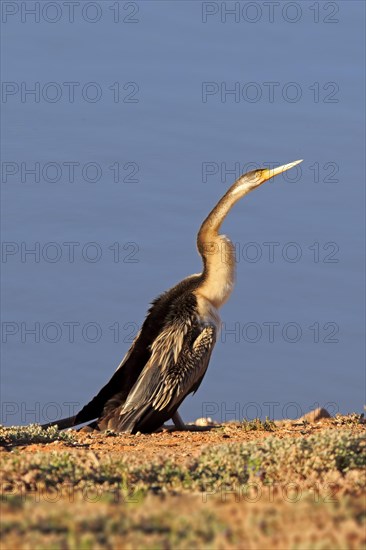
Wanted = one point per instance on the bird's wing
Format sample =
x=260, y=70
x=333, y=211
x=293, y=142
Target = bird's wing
x=115, y=392
x=179, y=359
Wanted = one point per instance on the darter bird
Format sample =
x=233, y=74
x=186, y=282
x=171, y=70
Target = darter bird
x=170, y=355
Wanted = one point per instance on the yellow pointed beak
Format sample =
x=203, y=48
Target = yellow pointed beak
x=269, y=173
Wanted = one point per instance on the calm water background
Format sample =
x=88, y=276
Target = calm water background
x=169, y=128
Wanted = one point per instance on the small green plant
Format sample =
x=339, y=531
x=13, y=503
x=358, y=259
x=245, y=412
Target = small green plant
x=258, y=425
x=349, y=420
x=34, y=433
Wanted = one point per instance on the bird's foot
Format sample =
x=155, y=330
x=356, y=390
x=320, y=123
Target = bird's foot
x=186, y=428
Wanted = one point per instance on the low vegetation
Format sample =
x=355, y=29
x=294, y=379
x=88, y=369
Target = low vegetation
x=24, y=435
x=59, y=492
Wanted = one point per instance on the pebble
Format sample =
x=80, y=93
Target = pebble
x=315, y=415
x=204, y=422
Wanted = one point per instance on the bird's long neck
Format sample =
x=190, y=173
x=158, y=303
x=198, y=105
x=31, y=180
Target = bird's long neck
x=218, y=253
x=217, y=279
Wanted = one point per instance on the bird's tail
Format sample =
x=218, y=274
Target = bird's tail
x=62, y=424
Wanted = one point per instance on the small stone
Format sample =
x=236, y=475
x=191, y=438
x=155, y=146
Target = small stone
x=204, y=421
x=315, y=415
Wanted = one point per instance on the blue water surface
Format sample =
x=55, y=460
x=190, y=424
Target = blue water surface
x=141, y=116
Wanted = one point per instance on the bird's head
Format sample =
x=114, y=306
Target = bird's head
x=255, y=178
x=209, y=230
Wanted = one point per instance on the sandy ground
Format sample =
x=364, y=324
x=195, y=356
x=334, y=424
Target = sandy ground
x=40, y=510
x=177, y=445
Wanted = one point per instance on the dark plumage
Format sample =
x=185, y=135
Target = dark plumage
x=173, y=307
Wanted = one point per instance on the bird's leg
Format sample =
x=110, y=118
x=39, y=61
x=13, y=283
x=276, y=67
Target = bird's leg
x=178, y=421
x=180, y=425
x=91, y=427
